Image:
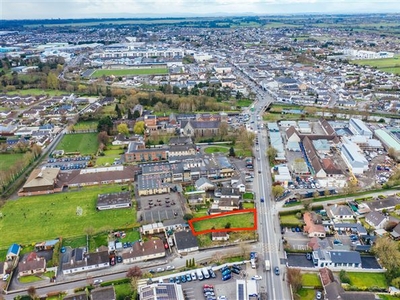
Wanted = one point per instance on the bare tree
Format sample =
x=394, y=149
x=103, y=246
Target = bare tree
x=294, y=278
x=32, y=292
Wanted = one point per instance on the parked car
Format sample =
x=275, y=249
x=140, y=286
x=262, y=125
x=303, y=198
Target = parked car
x=235, y=270
x=194, y=277
x=318, y=295
x=119, y=259
x=226, y=277
x=308, y=256
x=5, y=277
x=256, y=277
x=188, y=277
x=212, y=273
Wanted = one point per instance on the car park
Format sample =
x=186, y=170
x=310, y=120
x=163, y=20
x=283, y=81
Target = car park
x=171, y=280
x=208, y=286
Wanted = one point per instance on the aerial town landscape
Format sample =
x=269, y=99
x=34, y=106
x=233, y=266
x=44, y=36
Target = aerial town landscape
x=238, y=157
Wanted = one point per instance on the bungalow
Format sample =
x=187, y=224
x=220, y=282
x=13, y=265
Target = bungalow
x=185, y=242
x=219, y=236
x=228, y=204
x=79, y=261
x=339, y=259
x=143, y=251
x=376, y=219
x=13, y=252
x=311, y=228
x=340, y=212
x=32, y=265
x=114, y=200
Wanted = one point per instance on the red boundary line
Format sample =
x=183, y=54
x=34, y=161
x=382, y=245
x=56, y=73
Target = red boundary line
x=234, y=212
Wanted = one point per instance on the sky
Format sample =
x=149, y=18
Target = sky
x=65, y=9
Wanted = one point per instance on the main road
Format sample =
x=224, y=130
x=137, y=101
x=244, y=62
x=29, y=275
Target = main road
x=269, y=228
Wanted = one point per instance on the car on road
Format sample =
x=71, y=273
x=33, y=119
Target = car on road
x=261, y=199
x=277, y=272
x=5, y=277
x=256, y=277
x=97, y=281
x=318, y=296
x=169, y=268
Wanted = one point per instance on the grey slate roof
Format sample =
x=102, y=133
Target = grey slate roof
x=345, y=257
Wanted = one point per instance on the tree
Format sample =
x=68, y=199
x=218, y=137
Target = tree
x=139, y=127
x=271, y=153
x=187, y=217
x=130, y=115
x=32, y=292
x=118, y=111
x=105, y=124
x=103, y=138
x=52, y=81
x=134, y=271
x=136, y=114
x=389, y=256
x=277, y=191
x=295, y=279
x=223, y=130
x=307, y=204
x=232, y=152
x=123, y=128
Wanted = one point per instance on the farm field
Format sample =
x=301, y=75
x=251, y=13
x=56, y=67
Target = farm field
x=36, y=92
x=8, y=160
x=85, y=143
x=390, y=65
x=125, y=72
x=239, y=220
x=37, y=218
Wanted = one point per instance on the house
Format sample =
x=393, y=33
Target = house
x=143, y=251
x=114, y=200
x=238, y=182
x=395, y=234
x=230, y=193
x=219, y=236
x=79, y=261
x=311, y=228
x=103, y=293
x=13, y=252
x=152, y=228
x=376, y=219
x=41, y=181
x=204, y=184
x=185, y=241
x=228, y=204
x=77, y=296
x=388, y=203
x=160, y=291
x=333, y=290
x=32, y=264
x=340, y=212
x=340, y=259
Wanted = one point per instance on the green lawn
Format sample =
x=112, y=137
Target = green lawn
x=85, y=143
x=306, y=294
x=387, y=297
x=123, y=290
x=247, y=205
x=361, y=279
x=29, y=279
x=37, y=218
x=200, y=213
x=290, y=220
x=311, y=279
x=125, y=72
x=216, y=149
x=244, y=102
x=8, y=160
x=243, y=220
x=248, y=196
x=110, y=156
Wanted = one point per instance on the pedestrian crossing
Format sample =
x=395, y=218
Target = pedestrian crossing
x=270, y=247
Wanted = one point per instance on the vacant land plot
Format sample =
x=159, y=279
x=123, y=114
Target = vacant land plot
x=8, y=160
x=84, y=143
x=290, y=220
x=85, y=125
x=239, y=220
x=126, y=72
x=361, y=279
x=38, y=218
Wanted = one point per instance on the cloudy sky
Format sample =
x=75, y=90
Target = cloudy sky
x=40, y=9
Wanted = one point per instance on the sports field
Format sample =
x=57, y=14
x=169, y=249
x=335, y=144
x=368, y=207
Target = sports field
x=84, y=143
x=38, y=218
x=127, y=72
x=389, y=65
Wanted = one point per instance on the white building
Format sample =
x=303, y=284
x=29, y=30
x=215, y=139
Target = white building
x=358, y=127
x=353, y=157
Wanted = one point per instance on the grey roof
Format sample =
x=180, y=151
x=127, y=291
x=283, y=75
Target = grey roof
x=353, y=226
x=375, y=218
x=346, y=257
x=384, y=203
x=341, y=210
x=185, y=240
x=114, y=198
x=180, y=141
x=103, y=293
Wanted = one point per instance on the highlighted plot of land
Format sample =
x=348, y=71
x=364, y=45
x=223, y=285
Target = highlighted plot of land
x=132, y=72
x=237, y=220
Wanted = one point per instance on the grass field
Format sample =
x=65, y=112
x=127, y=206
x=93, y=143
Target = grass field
x=123, y=290
x=86, y=125
x=111, y=154
x=35, y=92
x=311, y=279
x=8, y=160
x=126, y=72
x=244, y=103
x=244, y=220
x=290, y=220
x=390, y=65
x=85, y=143
x=38, y=218
x=216, y=149
x=361, y=279
x=306, y=294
